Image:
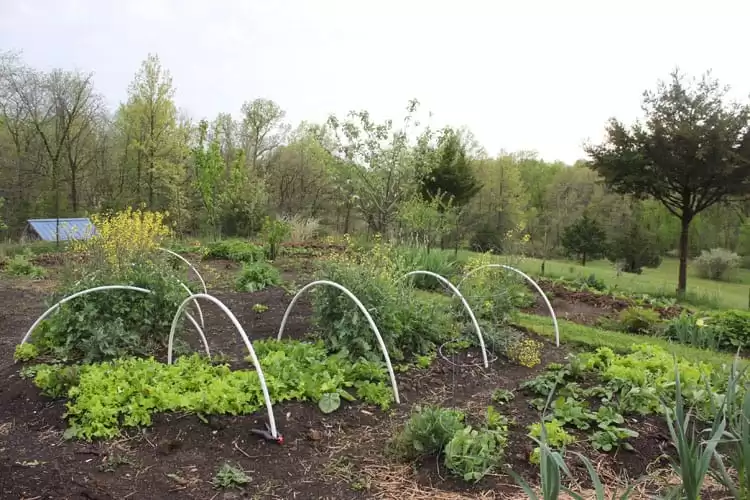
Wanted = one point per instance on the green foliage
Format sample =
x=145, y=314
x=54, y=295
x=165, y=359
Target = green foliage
x=736, y=442
x=503, y=396
x=570, y=411
x=610, y=438
x=717, y=264
x=257, y=276
x=555, y=437
x=21, y=265
x=638, y=319
x=448, y=172
x=426, y=432
x=439, y=262
x=656, y=157
x=126, y=392
x=694, y=453
x=57, y=380
x=585, y=239
x=409, y=323
x=634, y=248
x=230, y=476
x=114, y=323
x=734, y=327
x=274, y=232
x=259, y=308
x=209, y=172
x=697, y=332
x=25, y=352
x=236, y=250
x=473, y=453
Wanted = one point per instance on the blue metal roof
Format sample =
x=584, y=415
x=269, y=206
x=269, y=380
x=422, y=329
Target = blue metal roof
x=70, y=229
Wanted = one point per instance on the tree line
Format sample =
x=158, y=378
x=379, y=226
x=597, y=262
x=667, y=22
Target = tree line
x=675, y=182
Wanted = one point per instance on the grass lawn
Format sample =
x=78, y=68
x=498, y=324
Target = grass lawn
x=572, y=333
x=662, y=281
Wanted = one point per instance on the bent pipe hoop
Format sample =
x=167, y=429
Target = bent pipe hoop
x=183, y=259
x=99, y=289
x=197, y=305
x=533, y=283
x=364, y=311
x=248, y=344
x=458, y=294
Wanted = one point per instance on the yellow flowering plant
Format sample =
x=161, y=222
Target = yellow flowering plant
x=123, y=238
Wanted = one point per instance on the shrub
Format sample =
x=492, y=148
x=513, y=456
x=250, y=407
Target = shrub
x=20, y=265
x=236, y=250
x=634, y=249
x=257, y=276
x=734, y=327
x=123, y=238
x=274, y=232
x=638, y=319
x=409, y=323
x=413, y=259
x=717, y=264
x=494, y=294
x=585, y=239
x=426, y=432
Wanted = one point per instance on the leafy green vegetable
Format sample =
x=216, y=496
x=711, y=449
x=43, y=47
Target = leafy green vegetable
x=125, y=392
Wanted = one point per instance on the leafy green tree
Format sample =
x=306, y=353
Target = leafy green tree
x=585, y=239
x=691, y=152
x=449, y=172
x=209, y=171
x=383, y=162
x=634, y=246
x=149, y=120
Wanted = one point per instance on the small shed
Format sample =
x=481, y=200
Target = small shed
x=46, y=229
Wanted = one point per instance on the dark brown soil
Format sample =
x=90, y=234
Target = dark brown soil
x=586, y=307
x=341, y=455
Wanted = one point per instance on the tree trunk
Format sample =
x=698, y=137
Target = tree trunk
x=583, y=260
x=683, y=251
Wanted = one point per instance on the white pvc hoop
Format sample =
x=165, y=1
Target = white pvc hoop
x=183, y=259
x=248, y=344
x=364, y=311
x=456, y=292
x=99, y=289
x=197, y=305
x=533, y=283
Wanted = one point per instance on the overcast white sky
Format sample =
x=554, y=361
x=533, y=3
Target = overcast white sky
x=524, y=74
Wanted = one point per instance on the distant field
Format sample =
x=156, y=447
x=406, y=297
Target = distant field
x=661, y=281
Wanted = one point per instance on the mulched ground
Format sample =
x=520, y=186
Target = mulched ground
x=340, y=455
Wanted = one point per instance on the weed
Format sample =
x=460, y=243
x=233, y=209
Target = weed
x=502, y=396
x=21, y=265
x=260, y=308
x=230, y=476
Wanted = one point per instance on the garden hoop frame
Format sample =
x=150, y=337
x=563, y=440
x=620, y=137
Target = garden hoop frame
x=248, y=344
x=56, y=306
x=362, y=309
x=533, y=283
x=183, y=259
x=458, y=294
